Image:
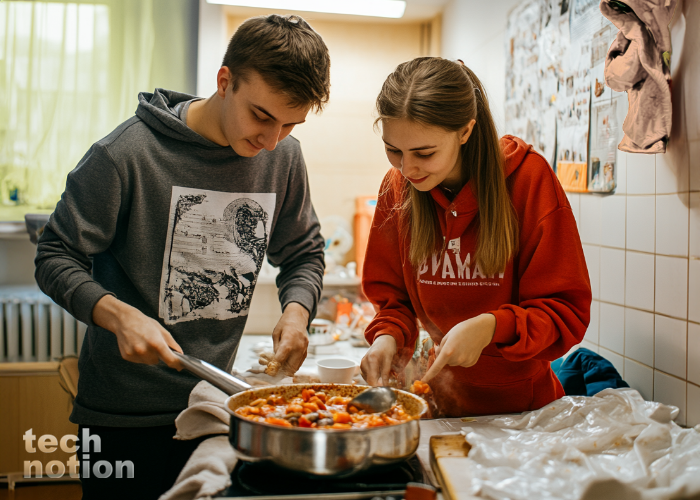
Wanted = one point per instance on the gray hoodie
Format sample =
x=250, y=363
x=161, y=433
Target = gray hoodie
x=178, y=227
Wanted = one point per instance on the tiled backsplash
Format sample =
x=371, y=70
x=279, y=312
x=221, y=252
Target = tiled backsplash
x=642, y=247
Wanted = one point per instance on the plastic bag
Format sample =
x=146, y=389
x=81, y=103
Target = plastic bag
x=612, y=445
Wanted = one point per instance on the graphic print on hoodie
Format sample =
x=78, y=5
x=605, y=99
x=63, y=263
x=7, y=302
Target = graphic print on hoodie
x=215, y=247
x=455, y=269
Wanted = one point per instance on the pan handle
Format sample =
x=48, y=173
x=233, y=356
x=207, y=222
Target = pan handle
x=215, y=376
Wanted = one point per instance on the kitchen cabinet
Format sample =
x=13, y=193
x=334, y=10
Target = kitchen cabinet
x=31, y=397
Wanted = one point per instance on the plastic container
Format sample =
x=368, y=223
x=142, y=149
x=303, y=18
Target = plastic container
x=364, y=212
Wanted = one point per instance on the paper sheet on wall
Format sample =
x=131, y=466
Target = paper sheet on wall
x=522, y=78
x=573, y=105
x=552, y=43
x=606, y=131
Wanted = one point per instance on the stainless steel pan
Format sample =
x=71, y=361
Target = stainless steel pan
x=317, y=452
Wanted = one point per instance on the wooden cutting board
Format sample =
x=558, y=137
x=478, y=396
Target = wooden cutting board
x=448, y=457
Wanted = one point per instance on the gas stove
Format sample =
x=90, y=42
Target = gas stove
x=264, y=481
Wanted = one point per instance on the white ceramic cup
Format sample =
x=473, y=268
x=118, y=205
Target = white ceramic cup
x=336, y=370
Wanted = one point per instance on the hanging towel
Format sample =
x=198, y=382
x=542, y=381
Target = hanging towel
x=639, y=63
x=585, y=373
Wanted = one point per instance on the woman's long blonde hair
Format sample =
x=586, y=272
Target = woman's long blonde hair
x=437, y=92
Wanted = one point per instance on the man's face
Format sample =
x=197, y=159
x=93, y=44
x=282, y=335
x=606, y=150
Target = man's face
x=255, y=116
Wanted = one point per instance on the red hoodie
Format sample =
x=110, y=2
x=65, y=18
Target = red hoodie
x=541, y=302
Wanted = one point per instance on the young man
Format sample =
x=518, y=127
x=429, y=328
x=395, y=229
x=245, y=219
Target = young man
x=174, y=212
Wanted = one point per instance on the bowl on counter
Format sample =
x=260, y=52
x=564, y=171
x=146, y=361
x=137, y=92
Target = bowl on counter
x=336, y=370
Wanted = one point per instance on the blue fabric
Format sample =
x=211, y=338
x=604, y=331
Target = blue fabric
x=585, y=373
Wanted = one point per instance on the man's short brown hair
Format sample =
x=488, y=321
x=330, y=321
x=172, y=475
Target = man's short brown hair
x=287, y=53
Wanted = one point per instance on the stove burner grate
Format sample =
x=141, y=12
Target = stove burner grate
x=268, y=479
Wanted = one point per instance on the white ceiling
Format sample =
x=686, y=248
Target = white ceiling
x=416, y=10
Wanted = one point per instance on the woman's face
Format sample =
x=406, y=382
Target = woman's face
x=425, y=155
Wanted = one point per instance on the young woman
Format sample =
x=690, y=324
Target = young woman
x=474, y=237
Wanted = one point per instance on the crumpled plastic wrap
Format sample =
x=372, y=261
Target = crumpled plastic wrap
x=613, y=445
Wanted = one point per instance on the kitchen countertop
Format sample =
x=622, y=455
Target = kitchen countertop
x=246, y=358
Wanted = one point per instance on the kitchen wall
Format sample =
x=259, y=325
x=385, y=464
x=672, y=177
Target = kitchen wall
x=642, y=247
x=474, y=32
x=642, y=244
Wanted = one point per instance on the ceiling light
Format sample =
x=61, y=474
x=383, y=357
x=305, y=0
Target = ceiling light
x=373, y=8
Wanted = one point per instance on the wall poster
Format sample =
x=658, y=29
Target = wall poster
x=556, y=98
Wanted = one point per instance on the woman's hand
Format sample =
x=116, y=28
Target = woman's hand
x=376, y=365
x=141, y=339
x=462, y=345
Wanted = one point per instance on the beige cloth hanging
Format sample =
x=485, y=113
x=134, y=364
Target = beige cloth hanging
x=638, y=63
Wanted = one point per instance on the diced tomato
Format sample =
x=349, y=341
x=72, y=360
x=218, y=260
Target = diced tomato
x=278, y=421
x=342, y=417
x=303, y=422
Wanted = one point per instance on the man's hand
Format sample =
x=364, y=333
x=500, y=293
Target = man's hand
x=376, y=365
x=462, y=345
x=141, y=339
x=290, y=339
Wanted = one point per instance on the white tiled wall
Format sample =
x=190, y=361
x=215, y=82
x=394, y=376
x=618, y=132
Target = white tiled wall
x=642, y=247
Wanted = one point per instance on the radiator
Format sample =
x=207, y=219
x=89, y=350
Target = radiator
x=34, y=328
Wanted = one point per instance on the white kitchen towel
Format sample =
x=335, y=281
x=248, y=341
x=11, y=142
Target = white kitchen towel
x=205, y=413
x=208, y=470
